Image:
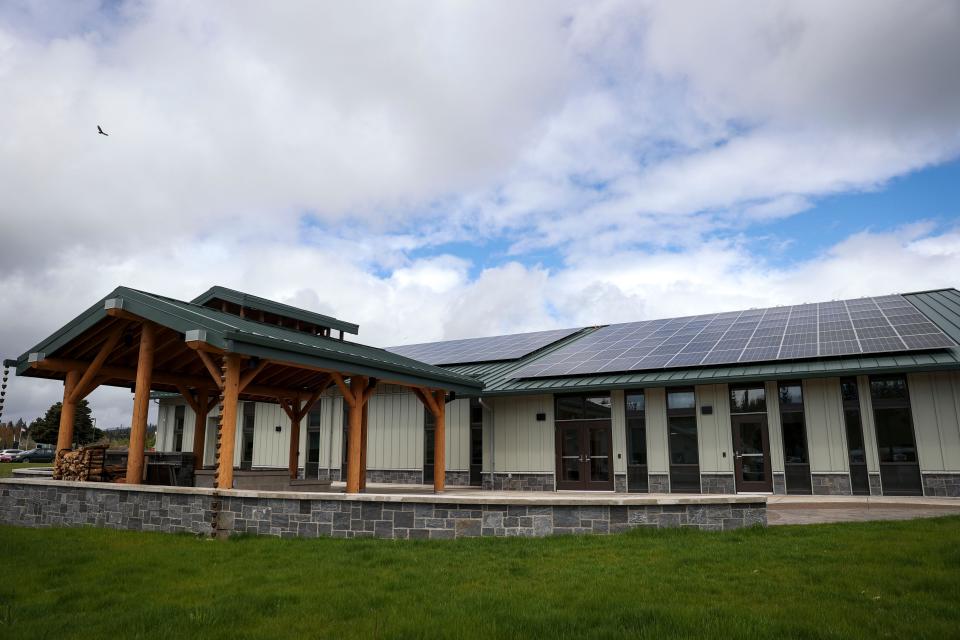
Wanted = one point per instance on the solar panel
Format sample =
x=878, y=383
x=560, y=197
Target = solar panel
x=837, y=328
x=509, y=347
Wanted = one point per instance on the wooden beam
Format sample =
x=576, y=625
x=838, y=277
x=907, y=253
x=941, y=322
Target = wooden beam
x=68, y=411
x=249, y=375
x=440, y=443
x=188, y=396
x=363, y=448
x=314, y=398
x=211, y=367
x=124, y=315
x=227, y=437
x=82, y=387
x=344, y=389
x=426, y=398
x=288, y=408
x=371, y=388
x=355, y=395
x=141, y=404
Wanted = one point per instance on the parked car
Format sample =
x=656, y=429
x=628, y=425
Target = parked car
x=7, y=455
x=35, y=455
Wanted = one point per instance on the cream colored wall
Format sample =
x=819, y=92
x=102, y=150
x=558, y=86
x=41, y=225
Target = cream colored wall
x=395, y=431
x=713, y=431
x=935, y=404
x=868, y=425
x=522, y=444
x=658, y=438
x=619, y=428
x=774, y=427
x=826, y=432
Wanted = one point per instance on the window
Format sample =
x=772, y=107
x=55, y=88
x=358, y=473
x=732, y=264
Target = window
x=583, y=407
x=859, y=478
x=748, y=400
x=635, y=405
x=178, y=419
x=476, y=442
x=311, y=467
x=794, y=428
x=249, y=416
x=429, y=450
x=684, y=454
x=896, y=446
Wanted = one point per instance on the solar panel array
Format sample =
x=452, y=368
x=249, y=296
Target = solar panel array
x=845, y=327
x=493, y=348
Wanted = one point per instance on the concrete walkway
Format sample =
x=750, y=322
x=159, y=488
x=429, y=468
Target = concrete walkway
x=821, y=509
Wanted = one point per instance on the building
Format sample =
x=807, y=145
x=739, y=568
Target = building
x=847, y=397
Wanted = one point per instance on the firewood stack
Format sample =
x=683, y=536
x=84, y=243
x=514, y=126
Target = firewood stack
x=81, y=465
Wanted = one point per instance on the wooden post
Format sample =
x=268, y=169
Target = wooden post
x=354, y=456
x=439, y=443
x=200, y=427
x=296, y=417
x=141, y=404
x=68, y=412
x=363, y=448
x=228, y=421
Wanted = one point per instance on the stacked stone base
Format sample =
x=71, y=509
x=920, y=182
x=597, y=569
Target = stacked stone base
x=519, y=482
x=658, y=483
x=718, y=483
x=945, y=485
x=40, y=503
x=831, y=484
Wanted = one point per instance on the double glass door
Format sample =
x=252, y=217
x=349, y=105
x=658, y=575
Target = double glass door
x=584, y=455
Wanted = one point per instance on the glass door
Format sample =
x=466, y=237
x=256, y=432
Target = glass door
x=751, y=459
x=597, y=456
x=569, y=457
x=584, y=460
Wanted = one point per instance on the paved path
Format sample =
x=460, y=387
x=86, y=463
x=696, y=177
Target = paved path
x=807, y=510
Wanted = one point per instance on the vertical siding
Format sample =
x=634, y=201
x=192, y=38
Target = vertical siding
x=270, y=447
x=658, y=439
x=935, y=403
x=458, y=435
x=395, y=431
x=774, y=427
x=619, y=427
x=713, y=431
x=867, y=424
x=826, y=437
x=521, y=443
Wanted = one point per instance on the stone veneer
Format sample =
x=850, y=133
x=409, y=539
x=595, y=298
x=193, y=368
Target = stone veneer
x=46, y=503
x=717, y=483
x=396, y=476
x=620, y=482
x=658, y=483
x=876, y=487
x=941, y=485
x=830, y=484
x=519, y=482
x=780, y=484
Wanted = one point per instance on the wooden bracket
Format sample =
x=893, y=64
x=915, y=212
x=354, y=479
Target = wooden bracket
x=249, y=375
x=84, y=386
x=344, y=389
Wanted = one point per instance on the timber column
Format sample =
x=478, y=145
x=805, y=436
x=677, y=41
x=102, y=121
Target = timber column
x=141, y=404
x=354, y=441
x=68, y=411
x=440, y=443
x=293, y=459
x=227, y=434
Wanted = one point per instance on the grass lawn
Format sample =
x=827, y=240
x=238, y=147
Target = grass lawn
x=870, y=580
x=6, y=468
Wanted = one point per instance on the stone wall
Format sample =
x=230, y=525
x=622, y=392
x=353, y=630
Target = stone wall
x=876, y=487
x=717, y=483
x=620, y=482
x=941, y=485
x=658, y=483
x=780, y=484
x=519, y=482
x=43, y=503
x=396, y=476
x=831, y=484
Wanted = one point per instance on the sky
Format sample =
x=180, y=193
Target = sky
x=444, y=170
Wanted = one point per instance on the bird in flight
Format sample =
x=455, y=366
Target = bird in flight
x=101, y=132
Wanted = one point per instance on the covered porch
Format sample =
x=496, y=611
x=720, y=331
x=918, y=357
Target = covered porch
x=223, y=348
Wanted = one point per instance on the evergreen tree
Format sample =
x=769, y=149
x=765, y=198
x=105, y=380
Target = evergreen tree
x=44, y=430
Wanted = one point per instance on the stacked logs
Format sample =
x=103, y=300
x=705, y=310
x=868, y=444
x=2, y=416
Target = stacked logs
x=81, y=465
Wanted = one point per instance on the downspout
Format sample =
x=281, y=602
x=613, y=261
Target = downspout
x=493, y=449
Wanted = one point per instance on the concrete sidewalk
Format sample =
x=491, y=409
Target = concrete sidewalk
x=821, y=509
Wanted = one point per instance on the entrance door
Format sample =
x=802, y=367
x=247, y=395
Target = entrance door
x=584, y=455
x=751, y=446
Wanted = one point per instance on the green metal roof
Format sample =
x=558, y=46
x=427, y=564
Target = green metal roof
x=262, y=304
x=942, y=307
x=239, y=335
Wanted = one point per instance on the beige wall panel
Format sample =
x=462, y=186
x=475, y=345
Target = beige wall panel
x=867, y=423
x=658, y=440
x=826, y=437
x=774, y=427
x=935, y=403
x=619, y=428
x=270, y=447
x=166, y=414
x=713, y=431
x=395, y=431
x=457, y=421
x=521, y=443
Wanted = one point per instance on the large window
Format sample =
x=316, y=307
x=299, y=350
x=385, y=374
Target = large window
x=636, y=421
x=311, y=467
x=792, y=423
x=429, y=430
x=859, y=478
x=684, y=454
x=896, y=446
x=178, y=419
x=476, y=442
x=246, y=451
x=582, y=407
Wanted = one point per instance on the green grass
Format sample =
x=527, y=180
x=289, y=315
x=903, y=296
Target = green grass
x=870, y=580
x=6, y=468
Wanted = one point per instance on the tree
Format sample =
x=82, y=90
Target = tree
x=45, y=429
